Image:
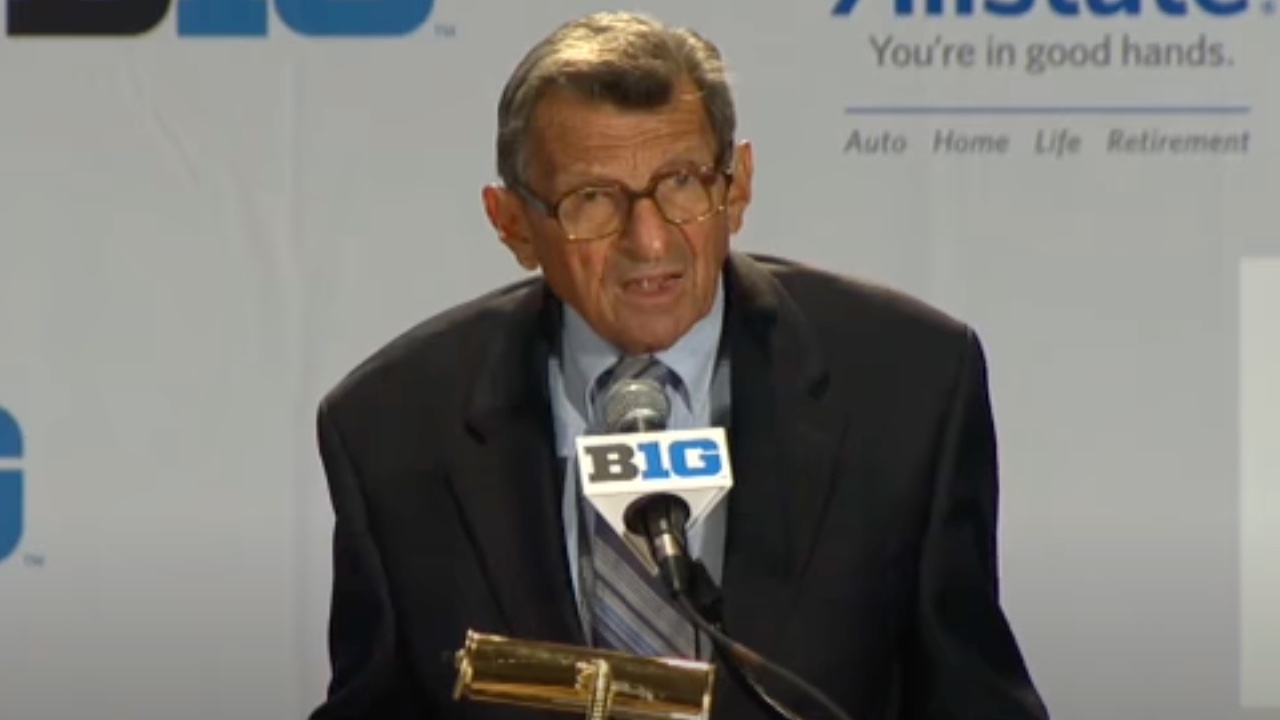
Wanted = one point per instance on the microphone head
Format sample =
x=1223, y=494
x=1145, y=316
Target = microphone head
x=637, y=405
x=658, y=512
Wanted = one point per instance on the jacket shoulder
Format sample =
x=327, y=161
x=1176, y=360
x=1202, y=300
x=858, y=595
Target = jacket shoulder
x=885, y=347
x=429, y=359
x=840, y=303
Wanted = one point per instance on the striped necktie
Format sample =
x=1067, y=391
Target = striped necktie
x=630, y=609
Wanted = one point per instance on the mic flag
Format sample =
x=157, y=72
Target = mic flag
x=617, y=470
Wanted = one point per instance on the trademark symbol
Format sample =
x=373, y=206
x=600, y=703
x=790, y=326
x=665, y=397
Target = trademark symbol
x=33, y=560
x=446, y=30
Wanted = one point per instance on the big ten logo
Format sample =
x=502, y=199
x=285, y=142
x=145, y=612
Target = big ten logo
x=217, y=18
x=10, y=484
x=1066, y=9
x=645, y=457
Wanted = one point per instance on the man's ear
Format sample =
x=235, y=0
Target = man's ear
x=507, y=215
x=739, y=196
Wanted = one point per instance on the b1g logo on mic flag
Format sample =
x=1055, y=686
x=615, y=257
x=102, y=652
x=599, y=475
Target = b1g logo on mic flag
x=10, y=484
x=664, y=459
x=618, y=469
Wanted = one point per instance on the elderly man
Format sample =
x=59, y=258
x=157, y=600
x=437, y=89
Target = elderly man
x=858, y=548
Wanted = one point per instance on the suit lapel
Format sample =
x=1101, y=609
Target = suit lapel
x=785, y=436
x=507, y=483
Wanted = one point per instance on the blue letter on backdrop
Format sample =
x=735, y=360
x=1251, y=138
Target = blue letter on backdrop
x=10, y=484
x=363, y=18
x=212, y=18
x=321, y=18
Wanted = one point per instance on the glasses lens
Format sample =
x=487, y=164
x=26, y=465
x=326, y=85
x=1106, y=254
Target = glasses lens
x=592, y=212
x=684, y=197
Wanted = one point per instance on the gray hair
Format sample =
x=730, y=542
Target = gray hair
x=624, y=59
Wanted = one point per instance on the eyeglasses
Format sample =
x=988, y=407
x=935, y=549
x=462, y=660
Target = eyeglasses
x=600, y=210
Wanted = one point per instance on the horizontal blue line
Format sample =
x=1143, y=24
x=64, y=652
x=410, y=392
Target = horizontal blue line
x=1048, y=110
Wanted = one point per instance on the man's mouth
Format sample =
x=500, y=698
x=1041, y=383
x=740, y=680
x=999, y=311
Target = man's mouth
x=656, y=284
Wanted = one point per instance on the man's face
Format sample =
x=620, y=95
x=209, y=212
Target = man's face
x=643, y=287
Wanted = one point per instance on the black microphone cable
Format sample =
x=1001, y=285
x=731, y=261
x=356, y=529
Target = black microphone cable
x=661, y=519
x=748, y=662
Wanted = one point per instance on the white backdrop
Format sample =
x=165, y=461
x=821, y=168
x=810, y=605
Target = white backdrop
x=199, y=236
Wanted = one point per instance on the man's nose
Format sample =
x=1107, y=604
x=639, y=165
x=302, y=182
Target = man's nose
x=648, y=233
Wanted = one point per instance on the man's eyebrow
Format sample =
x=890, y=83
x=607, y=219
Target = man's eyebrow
x=586, y=174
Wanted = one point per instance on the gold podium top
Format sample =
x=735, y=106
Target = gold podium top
x=583, y=681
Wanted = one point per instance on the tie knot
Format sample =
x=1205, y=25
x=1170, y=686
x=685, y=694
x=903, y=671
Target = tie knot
x=636, y=367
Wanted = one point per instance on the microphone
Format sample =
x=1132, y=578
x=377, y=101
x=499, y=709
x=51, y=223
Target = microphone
x=651, y=484
x=636, y=406
x=662, y=518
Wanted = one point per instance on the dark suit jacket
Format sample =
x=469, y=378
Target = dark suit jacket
x=861, y=552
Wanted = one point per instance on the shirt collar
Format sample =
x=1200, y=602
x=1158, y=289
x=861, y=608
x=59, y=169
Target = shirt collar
x=692, y=358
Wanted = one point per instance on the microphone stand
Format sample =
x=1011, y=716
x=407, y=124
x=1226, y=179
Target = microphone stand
x=660, y=518
x=704, y=607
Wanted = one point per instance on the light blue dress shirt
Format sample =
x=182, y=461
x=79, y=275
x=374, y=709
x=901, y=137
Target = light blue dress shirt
x=582, y=357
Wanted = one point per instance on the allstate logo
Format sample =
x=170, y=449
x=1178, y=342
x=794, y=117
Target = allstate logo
x=1063, y=8
x=10, y=484
x=219, y=18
